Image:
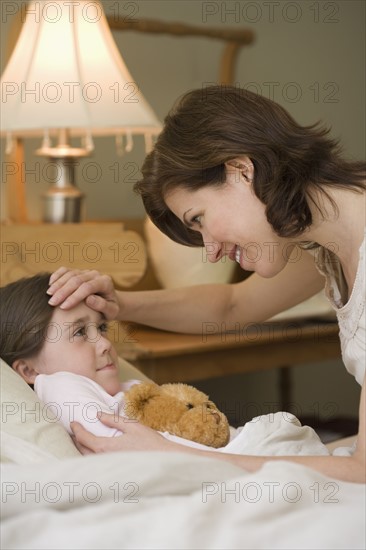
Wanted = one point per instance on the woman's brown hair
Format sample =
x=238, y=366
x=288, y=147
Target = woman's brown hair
x=24, y=317
x=211, y=126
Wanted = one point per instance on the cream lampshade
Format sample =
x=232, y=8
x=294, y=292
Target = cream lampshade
x=66, y=78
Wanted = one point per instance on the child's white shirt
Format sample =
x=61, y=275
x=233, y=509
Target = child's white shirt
x=72, y=397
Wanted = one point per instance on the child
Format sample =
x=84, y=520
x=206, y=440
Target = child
x=65, y=355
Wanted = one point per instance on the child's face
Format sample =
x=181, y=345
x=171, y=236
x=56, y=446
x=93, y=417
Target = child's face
x=77, y=342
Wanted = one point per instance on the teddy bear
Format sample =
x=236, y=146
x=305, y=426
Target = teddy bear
x=179, y=409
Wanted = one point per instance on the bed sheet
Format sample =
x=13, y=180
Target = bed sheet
x=157, y=501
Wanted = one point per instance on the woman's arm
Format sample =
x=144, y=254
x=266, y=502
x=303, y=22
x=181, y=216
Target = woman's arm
x=139, y=438
x=187, y=309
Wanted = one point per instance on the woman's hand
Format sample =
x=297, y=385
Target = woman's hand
x=135, y=437
x=70, y=287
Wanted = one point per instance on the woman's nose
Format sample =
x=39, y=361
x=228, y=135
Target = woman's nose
x=214, y=251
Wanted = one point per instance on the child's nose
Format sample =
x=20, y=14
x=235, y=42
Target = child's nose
x=104, y=344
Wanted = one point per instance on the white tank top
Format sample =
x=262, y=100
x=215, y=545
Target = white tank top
x=351, y=314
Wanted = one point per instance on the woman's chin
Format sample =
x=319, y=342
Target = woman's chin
x=265, y=270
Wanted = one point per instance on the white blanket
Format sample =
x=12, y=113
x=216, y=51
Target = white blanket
x=177, y=501
x=275, y=434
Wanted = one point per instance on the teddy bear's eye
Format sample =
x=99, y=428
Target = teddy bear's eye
x=189, y=406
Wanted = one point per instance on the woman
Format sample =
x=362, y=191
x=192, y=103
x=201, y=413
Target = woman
x=233, y=172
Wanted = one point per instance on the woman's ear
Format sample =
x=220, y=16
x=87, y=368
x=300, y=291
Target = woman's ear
x=25, y=370
x=245, y=165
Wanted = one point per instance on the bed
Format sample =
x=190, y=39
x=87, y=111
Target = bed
x=53, y=497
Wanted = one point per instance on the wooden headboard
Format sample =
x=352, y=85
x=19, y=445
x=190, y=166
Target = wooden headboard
x=27, y=249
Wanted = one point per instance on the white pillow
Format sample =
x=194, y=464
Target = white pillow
x=27, y=425
x=176, y=265
x=129, y=372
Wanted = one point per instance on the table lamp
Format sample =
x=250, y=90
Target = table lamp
x=67, y=78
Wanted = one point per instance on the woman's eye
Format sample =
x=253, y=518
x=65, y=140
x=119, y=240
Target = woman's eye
x=196, y=220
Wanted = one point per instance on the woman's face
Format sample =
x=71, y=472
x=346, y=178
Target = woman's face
x=232, y=222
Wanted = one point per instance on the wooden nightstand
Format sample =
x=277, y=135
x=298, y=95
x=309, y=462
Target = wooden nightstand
x=171, y=357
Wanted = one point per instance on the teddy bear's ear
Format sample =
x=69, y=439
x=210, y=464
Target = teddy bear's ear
x=137, y=397
x=185, y=393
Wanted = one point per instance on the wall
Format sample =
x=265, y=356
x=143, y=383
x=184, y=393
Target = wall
x=309, y=56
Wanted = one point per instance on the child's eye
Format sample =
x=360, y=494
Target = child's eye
x=80, y=332
x=103, y=327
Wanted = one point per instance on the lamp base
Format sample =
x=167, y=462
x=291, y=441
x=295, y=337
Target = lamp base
x=63, y=205
x=63, y=202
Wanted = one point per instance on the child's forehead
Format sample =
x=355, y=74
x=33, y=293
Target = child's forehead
x=79, y=312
